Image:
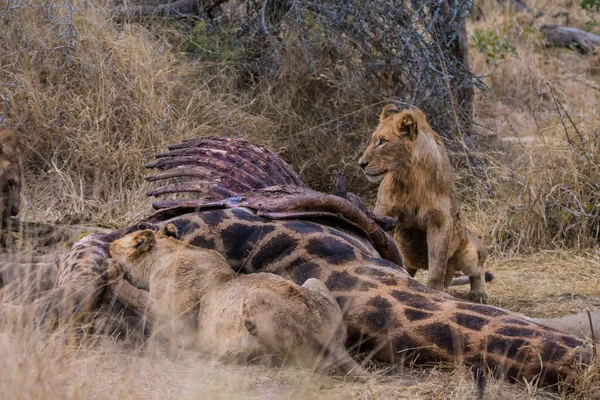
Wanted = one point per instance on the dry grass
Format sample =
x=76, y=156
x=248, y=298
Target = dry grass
x=545, y=284
x=91, y=114
x=59, y=365
x=540, y=189
x=68, y=364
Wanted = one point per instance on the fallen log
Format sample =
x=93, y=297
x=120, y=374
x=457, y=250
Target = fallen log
x=564, y=36
x=178, y=8
x=516, y=5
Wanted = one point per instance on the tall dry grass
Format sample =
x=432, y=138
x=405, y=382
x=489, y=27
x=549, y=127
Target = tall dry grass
x=92, y=101
x=75, y=363
x=538, y=126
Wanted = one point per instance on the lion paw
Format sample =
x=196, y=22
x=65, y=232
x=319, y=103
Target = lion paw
x=479, y=296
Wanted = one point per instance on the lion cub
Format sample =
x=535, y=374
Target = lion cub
x=417, y=187
x=197, y=299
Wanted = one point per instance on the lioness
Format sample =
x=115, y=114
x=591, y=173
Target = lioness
x=196, y=297
x=11, y=172
x=410, y=160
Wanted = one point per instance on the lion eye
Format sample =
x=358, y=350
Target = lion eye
x=381, y=141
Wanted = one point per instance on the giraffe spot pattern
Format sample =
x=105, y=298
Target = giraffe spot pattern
x=303, y=227
x=246, y=215
x=513, y=331
x=384, y=263
x=552, y=351
x=445, y=337
x=405, y=342
x=379, y=302
x=305, y=271
x=470, y=321
x=415, y=300
x=419, y=287
x=341, y=281
x=201, y=241
x=384, y=277
x=571, y=341
x=361, y=342
x=348, y=239
x=378, y=320
x=344, y=281
x=184, y=226
x=213, y=218
x=332, y=249
x=301, y=270
x=406, y=348
x=416, y=315
x=240, y=239
x=517, y=322
x=513, y=373
x=480, y=309
x=276, y=248
x=515, y=349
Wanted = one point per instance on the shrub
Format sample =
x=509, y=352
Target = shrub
x=492, y=46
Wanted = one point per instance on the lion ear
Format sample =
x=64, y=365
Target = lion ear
x=144, y=241
x=408, y=126
x=170, y=230
x=388, y=111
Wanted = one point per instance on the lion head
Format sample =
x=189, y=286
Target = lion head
x=397, y=143
x=10, y=175
x=134, y=246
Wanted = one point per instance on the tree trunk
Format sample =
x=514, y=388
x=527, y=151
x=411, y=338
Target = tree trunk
x=465, y=93
x=459, y=48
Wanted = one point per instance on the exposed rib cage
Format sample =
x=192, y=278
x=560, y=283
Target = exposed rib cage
x=218, y=168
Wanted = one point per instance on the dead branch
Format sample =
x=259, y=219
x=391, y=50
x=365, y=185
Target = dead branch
x=592, y=330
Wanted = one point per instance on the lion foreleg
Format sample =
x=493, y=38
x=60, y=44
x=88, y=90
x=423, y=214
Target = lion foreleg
x=139, y=300
x=438, y=240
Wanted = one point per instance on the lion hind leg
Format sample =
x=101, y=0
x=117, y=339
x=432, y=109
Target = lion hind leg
x=468, y=262
x=301, y=324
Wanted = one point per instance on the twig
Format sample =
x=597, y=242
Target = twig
x=571, y=121
x=592, y=331
x=4, y=106
x=262, y=17
x=560, y=115
x=356, y=112
x=569, y=117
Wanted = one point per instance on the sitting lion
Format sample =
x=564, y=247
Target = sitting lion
x=196, y=298
x=410, y=160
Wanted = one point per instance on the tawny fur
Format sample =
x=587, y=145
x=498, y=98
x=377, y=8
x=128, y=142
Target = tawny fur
x=410, y=160
x=196, y=298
